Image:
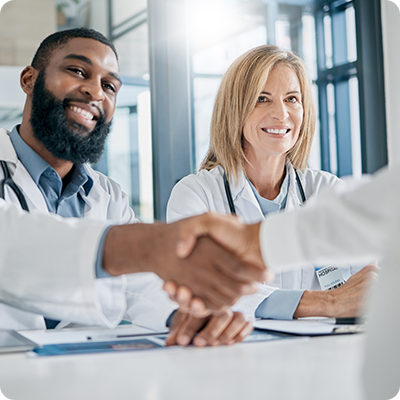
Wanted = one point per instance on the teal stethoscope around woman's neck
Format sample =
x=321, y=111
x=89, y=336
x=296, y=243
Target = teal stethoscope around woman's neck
x=230, y=199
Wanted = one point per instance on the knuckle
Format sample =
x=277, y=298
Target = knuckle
x=248, y=328
x=236, y=267
x=240, y=318
x=208, y=335
x=241, y=289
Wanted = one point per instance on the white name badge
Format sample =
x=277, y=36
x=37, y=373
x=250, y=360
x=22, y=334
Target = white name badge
x=329, y=277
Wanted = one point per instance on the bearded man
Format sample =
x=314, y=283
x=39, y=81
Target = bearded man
x=71, y=87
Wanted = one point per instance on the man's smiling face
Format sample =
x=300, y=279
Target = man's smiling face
x=74, y=100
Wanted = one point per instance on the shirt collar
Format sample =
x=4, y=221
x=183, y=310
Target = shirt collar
x=81, y=177
x=33, y=163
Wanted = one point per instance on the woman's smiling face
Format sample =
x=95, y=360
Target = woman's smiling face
x=274, y=125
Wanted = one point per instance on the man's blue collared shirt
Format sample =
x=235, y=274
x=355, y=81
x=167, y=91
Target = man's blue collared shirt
x=67, y=202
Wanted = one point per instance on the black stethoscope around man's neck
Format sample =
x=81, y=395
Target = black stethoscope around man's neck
x=8, y=181
x=230, y=199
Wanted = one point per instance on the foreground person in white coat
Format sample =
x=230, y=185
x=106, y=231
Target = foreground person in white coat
x=354, y=223
x=71, y=92
x=261, y=134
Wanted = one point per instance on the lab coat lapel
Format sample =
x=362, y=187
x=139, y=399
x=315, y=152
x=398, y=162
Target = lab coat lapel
x=7, y=152
x=32, y=193
x=245, y=201
x=97, y=200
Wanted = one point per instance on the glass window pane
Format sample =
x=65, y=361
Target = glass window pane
x=339, y=32
x=282, y=34
x=309, y=45
x=133, y=53
x=118, y=150
x=351, y=34
x=328, y=41
x=330, y=90
x=72, y=14
x=216, y=58
x=204, y=97
x=124, y=9
x=145, y=157
x=355, y=127
x=314, y=161
x=128, y=158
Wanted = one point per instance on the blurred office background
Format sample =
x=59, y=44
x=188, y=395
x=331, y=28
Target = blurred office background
x=173, y=54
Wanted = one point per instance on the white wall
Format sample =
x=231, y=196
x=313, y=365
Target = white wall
x=23, y=25
x=391, y=49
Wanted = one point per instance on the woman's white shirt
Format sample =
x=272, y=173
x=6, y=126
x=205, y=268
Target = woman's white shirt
x=205, y=192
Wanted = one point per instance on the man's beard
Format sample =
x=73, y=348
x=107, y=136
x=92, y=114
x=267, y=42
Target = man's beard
x=65, y=140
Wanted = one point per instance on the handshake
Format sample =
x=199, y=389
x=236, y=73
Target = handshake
x=232, y=249
x=207, y=263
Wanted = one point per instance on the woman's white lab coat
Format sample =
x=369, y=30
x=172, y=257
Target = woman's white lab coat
x=147, y=305
x=203, y=192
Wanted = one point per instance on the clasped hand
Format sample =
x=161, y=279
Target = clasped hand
x=196, y=321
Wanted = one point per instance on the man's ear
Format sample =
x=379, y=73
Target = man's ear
x=28, y=78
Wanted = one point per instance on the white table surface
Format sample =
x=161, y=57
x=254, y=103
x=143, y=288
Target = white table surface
x=321, y=368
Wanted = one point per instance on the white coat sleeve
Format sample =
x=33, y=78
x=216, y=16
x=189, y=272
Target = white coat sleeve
x=148, y=304
x=138, y=298
x=47, y=264
x=349, y=224
x=112, y=292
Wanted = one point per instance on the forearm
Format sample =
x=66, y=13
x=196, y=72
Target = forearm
x=133, y=248
x=346, y=301
x=210, y=272
x=314, y=303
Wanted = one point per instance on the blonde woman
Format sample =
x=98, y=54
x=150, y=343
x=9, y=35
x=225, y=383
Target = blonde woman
x=262, y=129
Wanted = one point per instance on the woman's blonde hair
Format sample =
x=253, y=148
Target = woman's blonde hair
x=236, y=99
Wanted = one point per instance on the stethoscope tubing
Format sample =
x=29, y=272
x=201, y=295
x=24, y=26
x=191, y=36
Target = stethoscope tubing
x=8, y=181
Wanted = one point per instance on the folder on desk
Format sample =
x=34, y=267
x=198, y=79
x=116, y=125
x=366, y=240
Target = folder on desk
x=308, y=326
x=94, y=340
x=63, y=349
x=11, y=341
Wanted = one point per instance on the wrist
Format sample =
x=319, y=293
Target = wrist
x=253, y=249
x=315, y=303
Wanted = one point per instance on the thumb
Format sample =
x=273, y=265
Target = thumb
x=190, y=229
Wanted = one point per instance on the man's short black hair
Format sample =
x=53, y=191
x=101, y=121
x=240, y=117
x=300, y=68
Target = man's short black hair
x=58, y=39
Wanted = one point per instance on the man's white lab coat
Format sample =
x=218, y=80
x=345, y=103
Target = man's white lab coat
x=138, y=296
